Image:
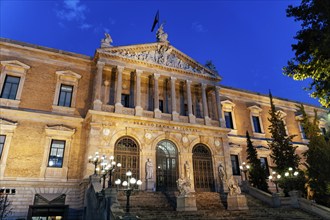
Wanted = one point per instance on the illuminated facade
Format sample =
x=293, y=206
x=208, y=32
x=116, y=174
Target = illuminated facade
x=138, y=102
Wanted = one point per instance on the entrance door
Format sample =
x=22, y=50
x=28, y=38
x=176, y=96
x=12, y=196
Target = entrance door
x=203, y=169
x=167, y=168
x=127, y=153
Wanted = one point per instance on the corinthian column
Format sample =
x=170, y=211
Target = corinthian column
x=205, y=109
x=192, y=118
x=118, y=105
x=175, y=115
x=157, y=112
x=219, y=108
x=138, y=108
x=97, y=103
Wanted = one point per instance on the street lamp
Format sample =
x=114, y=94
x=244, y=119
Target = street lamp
x=290, y=174
x=128, y=187
x=107, y=168
x=96, y=161
x=244, y=167
x=275, y=178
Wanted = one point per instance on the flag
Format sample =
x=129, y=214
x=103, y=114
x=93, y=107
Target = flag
x=156, y=20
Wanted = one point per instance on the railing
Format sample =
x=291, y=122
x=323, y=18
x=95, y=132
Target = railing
x=214, y=123
x=148, y=114
x=128, y=111
x=108, y=108
x=183, y=119
x=200, y=121
x=166, y=116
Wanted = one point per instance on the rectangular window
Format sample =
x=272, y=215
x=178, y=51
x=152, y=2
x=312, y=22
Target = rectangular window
x=256, y=124
x=234, y=164
x=2, y=143
x=186, y=110
x=125, y=100
x=56, y=154
x=65, y=95
x=10, y=87
x=323, y=131
x=264, y=164
x=161, y=105
x=229, y=120
x=303, y=134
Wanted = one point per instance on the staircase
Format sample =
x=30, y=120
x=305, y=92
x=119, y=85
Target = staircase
x=210, y=205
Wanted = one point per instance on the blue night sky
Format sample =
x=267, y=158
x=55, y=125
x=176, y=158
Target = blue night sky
x=248, y=41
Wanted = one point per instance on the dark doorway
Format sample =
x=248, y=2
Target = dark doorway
x=203, y=169
x=167, y=166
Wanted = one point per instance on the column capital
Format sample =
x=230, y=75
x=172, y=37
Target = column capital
x=120, y=68
x=217, y=87
x=106, y=82
x=173, y=78
x=138, y=72
x=188, y=82
x=100, y=64
x=204, y=85
x=156, y=75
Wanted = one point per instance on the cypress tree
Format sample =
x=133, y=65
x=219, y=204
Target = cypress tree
x=283, y=152
x=257, y=173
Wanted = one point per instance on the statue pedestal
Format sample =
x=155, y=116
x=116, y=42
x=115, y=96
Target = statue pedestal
x=237, y=202
x=186, y=203
x=150, y=185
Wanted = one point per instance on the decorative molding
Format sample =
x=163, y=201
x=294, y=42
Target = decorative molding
x=15, y=63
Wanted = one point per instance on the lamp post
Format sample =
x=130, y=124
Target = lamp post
x=128, y=187
x=275, y=178
x=107, y=168
x=96, y=161
x=290, y=173
x=244, y=168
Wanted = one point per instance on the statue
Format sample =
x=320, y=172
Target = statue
x=149, y=169
x=233, y=187
x=184, y=186
x=222, y=172
x=186, y=170
x=106, y=42
x=161, y=36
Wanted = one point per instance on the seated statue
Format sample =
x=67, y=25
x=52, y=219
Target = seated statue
x=106, y=42
x=233, y=187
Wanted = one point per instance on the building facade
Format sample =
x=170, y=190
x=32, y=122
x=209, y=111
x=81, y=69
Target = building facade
x=138, y=102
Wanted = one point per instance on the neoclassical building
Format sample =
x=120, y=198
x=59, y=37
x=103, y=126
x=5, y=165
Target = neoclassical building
x=137, y=102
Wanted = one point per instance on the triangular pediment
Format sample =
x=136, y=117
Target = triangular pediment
x=4, y=121
x=158, y=54
x=15, y=63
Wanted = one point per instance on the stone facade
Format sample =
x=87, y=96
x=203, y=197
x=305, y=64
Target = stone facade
x=147, y=93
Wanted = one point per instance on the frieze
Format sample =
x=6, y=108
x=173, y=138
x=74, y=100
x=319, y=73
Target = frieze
x=162, y=55
x=164, y=126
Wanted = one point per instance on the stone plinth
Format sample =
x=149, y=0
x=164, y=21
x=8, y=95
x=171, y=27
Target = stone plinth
x=150, y=185
x=186, y=203
x=237, y=202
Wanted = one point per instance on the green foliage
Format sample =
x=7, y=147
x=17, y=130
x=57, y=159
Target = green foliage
x=317, y=159
x=283, y=152
x=257, y=173
x=293, y=183
x=312, y=51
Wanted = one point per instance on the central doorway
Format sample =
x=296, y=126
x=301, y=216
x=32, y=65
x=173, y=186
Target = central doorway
x=203, y=169
x=167, y=166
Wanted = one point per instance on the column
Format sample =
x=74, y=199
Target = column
x=106, y=92
x=219, y=108
x=192, y=118
x=97, y=103
x=175, y=114
x=157, y=112
x=118, y=105
x=205, y=109
x=138, y=108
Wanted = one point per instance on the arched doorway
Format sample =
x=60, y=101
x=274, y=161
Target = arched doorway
x=167, y=166
x=203, y=169
x=128, y=154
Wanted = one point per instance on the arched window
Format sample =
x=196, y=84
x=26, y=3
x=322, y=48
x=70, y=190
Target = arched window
x=127, y=153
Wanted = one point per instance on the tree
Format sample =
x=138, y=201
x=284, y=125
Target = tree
x=257, y=173
x=5, y=204
x=317, y=159
x=312, y=51
x=282, y=151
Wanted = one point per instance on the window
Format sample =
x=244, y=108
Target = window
x=256, y=121
x=161, y=105
x=12, y=79
x=125, y=100
x=10, y=87
x=229, y=120
x=56, y=154
x=234, y=164
x=256, y=124
x=264, y=164
x=66, y=92
x=302, y=131
x=65, y=96
x=322, y=126
x=2, y=143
